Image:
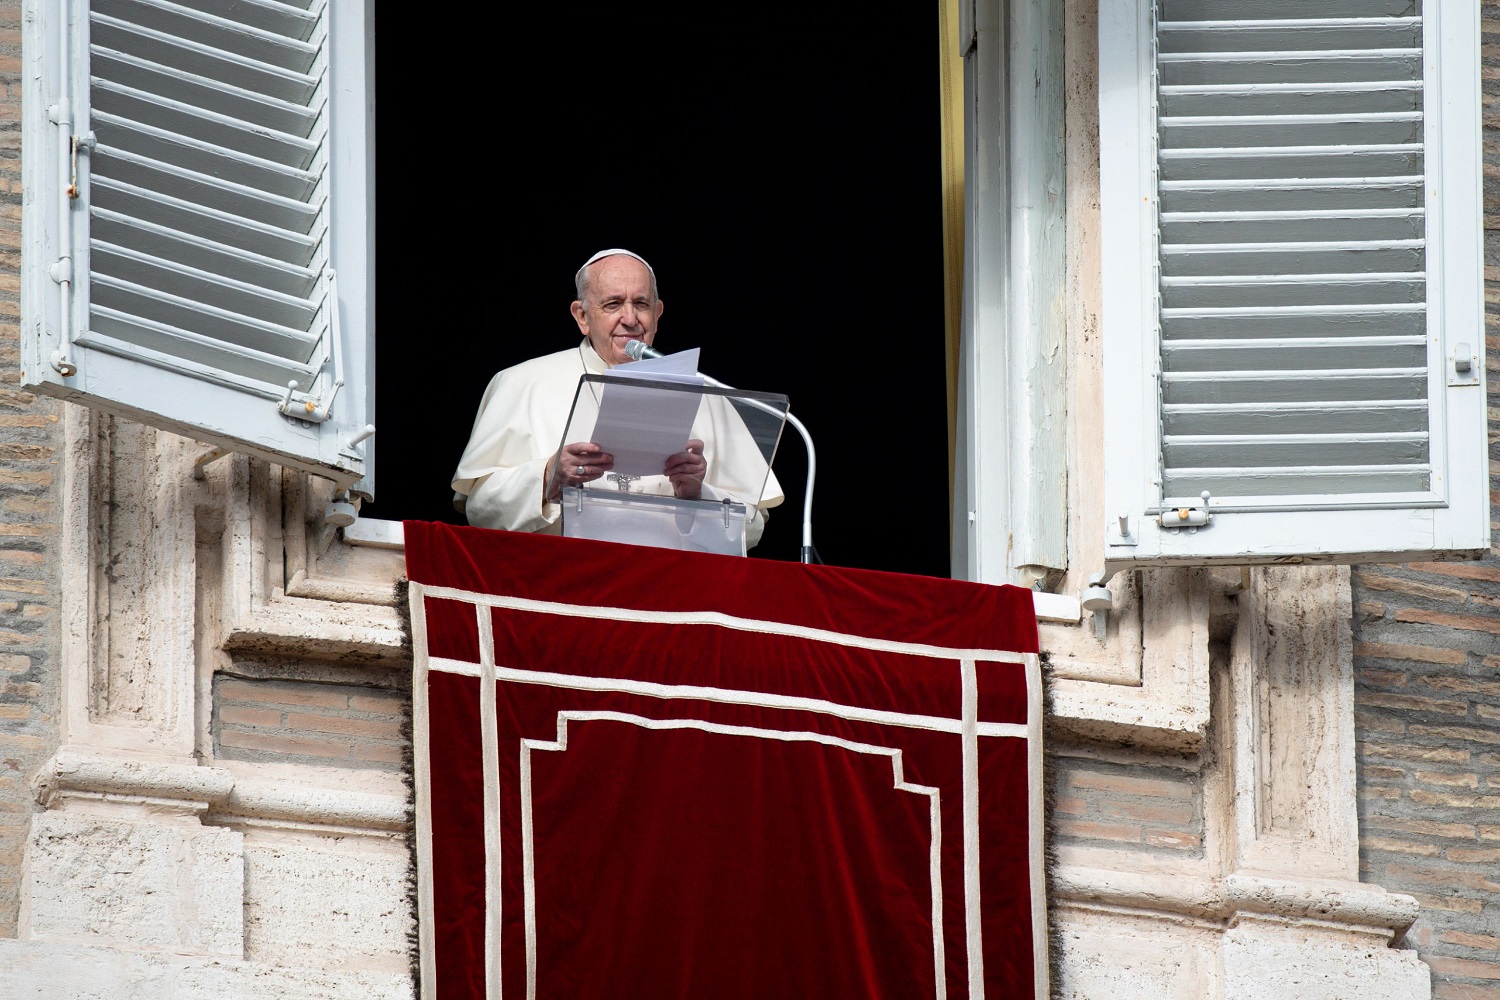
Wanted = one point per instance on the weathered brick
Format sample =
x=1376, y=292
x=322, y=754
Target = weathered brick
x=1414, y=703
x=1472, y=685
x=279, y=693
x=1445, y=876
x=1378, y=722
x=1468, y=940
x=1375, y=581
x=244, y=715
x=1124, y=784
x=285, y=744
x=1086, y=830
x=1069, y=805
x=378, y=704
x=1173, y=838
x=1448, y=780
x=1425, y=827
x=1469, y=733
x=376, y=728
x=1426, y=755
x=1422, y=654
x=1374, y=772
x=1453, y=904
x=1147, y=812
x=1395, y=846
x=1468, y=571
x=1381, y=678
x=1456, y=800
x=378, y=753
x=1468, y=967
x=1447, y=990
x=1467, y=623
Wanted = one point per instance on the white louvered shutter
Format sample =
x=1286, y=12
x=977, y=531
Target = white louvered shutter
x=1293, y=300
x=221, y=234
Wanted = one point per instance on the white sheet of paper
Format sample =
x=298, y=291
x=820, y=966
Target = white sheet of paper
x=643, y=427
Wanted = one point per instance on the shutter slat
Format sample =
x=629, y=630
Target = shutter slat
x=1221, y=10
x=1347, y=97
x=125, y=335
x=1310, y=226
x=205, y=186
x=202, y=60
x=1293, y=386
x=193, y=284
x=1407, y=319
x=293, y=21
x=1308, y=353
x=1339, y=66
x=193, y=251
x=1205, y=132
x=1341, y=194
x=1355, y=257
x=1276, y=35
x=213, y=95
x=224, y=34
x=203, y=158
x=1270, y=488
x=1285, y=162
x=206, y=190
x=178, y=119
x=208, y=223
x=1278, y=450
x=1301, y=290
x=1294, y=418
x=204, y=318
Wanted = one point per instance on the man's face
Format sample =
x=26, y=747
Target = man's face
x=619, y=307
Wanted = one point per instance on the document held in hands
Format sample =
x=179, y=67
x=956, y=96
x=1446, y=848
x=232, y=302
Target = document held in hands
x=643, y=426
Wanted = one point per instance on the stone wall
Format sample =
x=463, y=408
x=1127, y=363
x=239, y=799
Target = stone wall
x=30, y=441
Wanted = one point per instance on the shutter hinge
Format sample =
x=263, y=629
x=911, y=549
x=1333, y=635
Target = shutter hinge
x=1189, y=516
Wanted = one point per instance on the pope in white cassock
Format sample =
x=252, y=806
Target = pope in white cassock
x=512, y=474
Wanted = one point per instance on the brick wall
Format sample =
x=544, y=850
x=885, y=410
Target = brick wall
x=1140, y=806
x=1427, y=716
x=1427, y=699
x=30, y=441
x=303, y=722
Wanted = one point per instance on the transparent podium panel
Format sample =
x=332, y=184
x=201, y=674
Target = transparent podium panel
x=663, y=522
x=641, y=427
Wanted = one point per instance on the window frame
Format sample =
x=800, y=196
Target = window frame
x=193, y=399
x=1454, y=521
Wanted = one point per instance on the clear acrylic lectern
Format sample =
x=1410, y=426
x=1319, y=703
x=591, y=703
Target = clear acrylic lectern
x=641, y=422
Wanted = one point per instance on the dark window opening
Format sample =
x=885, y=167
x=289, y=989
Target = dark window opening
x=778, y=169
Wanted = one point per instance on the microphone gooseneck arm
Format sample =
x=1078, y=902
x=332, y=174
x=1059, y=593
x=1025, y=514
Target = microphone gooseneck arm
x=637, y=350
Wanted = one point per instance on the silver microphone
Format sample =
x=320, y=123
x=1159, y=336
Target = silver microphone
x=638, y=349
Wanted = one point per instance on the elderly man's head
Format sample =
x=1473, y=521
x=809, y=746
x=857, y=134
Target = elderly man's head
x=617, y=303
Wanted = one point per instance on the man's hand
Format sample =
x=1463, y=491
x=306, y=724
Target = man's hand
x=686, y=470
x=580, y=463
